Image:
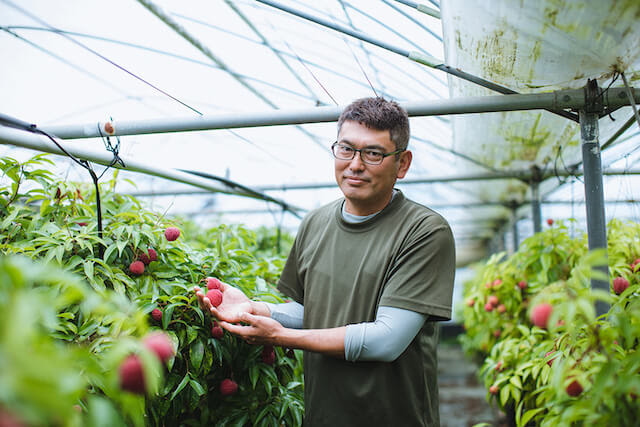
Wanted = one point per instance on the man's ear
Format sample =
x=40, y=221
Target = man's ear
x=404, y=163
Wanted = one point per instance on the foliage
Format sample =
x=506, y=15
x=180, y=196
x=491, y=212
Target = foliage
x=529, y=370
x=53, y=223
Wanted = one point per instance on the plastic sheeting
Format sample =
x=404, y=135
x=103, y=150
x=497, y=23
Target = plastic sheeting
x=532, y=47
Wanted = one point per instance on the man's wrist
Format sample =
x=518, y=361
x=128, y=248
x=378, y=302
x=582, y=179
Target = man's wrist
x=259, y=308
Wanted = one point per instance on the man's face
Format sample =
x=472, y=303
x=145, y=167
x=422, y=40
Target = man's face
x=368, y=188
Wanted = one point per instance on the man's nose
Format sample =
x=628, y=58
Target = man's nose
x=357, y=163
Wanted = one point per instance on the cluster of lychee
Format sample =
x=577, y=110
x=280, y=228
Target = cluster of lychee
x=137, y=267
x=131, y=373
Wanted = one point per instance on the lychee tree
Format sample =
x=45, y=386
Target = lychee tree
x=556, y=362
x=53, y=223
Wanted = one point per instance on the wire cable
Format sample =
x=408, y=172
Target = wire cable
x=82, y=45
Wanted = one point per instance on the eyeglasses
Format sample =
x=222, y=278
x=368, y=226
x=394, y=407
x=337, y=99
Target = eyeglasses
x=367, y=155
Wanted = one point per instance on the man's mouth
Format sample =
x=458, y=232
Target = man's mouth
x=354, y=179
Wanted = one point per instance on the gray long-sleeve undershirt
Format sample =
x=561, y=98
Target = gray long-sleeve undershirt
x=381, y=340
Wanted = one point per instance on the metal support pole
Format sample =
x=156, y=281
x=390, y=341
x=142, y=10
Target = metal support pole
x=536, y=213
x=593, y=186
x=514, y=228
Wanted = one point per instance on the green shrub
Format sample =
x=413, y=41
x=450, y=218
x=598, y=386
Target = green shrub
x=54, y=223
x=582, y=368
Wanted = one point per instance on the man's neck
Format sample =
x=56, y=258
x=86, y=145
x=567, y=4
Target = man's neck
x=362, y=211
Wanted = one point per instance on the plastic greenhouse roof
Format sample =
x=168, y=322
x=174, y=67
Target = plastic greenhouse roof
x=79, y=62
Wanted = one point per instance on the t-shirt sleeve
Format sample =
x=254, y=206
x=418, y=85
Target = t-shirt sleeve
x=421, y=278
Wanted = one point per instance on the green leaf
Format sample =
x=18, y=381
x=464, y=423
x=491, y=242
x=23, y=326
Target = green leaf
x=505, y=391
x=88, y=269
x=197, y=387
x=196, y=353
x=181, y=386
x=529, y=415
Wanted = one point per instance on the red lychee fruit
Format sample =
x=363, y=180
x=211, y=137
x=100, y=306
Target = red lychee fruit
x=156, y=314
x=144, y=258
x=216, y=331
x=496, y=283
x=522, y=284
x=153, y=255
x=494, y=389
x=136, y=268
x=215, y=296
x=471, y=302
x=268, y=355
x=574, y=388
x=8, y=419
x=620, y=284
x=488, y=307
x=82, y=224
x=550, y=222
x=213, y=283
x=501, y=308
x=497, y=333
x=493, y=300
x=132, y=375
x=547, y=354
x=172, y=233
x=487, y=285
x=160, y=344
x=228, y=387
x=499, y=366
x=540, y=314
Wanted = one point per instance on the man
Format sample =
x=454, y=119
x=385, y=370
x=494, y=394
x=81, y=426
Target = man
x=369, y=275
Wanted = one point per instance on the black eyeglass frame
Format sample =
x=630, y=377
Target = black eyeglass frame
x=356, y=150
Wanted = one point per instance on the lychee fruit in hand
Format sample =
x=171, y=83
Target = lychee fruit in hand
x=172, y=233
x=136, y=268
x=213, y=283
x=215, y=296
x=160, y=344
x=132, y=375
x=228, y=387
x=540, y=314
x=156, y=314
x=620, y=284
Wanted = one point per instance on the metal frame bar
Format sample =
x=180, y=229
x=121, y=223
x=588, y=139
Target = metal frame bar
x=18, y=137
x=557, y=100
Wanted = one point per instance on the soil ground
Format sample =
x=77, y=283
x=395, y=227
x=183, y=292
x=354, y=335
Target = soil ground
x=463, y=401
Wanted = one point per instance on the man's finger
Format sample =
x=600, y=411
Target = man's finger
x=235, y=329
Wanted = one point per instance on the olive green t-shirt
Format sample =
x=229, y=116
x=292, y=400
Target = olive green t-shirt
x=403, y=257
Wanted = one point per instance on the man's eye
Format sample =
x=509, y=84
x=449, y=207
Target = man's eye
x=373, y=154
x=346, y=149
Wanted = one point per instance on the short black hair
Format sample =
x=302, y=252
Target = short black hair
x=380, y=114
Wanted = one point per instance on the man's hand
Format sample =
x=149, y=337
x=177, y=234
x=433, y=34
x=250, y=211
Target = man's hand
x=234, y=302
x=256, y=329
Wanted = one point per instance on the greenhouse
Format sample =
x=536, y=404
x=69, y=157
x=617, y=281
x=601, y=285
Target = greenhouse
x=152, y=149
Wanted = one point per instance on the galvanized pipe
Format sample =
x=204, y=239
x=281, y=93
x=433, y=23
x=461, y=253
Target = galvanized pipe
x=594, y=194
x=558, y=100
x=21, y=138
x=535, y=206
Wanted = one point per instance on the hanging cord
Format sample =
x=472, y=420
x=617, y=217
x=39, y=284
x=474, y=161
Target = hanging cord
x=86, y=165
